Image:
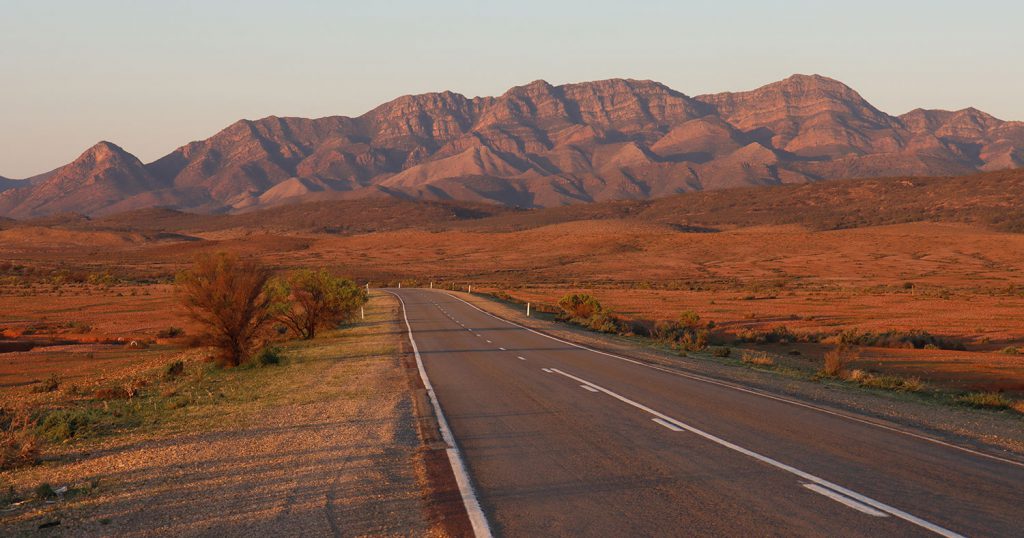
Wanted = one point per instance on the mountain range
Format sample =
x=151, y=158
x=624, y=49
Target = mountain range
x=537, y=145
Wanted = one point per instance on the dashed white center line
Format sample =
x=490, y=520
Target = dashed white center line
x=843, y=499
x=489, y=342
x=668, y=425
x=503, y=349
x=521, y=358
x=832, y=491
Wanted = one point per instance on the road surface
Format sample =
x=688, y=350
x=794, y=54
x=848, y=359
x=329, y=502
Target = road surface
x=558, y=440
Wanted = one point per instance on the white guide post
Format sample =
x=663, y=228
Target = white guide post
x=527, y=309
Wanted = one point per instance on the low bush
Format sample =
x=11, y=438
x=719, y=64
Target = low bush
x=585, y=310
x=44, y=492
x=914, y=338
x=836, y=360
x=174, y=369
x=721, y=351
x=1011, y=350
x=170, y=332
x=579, y=306
x=780, y=334
x=50, y=384
x=19, y=443
x=269, y=356
x=63, y=424
x=60, y=425
x=688, y=332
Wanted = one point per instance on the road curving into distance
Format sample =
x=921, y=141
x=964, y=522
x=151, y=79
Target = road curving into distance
x=561, y=440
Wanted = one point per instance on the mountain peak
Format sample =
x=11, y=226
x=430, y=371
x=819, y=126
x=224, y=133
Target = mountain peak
x=104, y=151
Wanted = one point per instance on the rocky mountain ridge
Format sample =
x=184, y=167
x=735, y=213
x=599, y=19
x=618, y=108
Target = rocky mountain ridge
x=536, y=145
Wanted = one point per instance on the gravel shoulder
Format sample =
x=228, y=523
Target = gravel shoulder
x=1000, y=434
x=330, y=443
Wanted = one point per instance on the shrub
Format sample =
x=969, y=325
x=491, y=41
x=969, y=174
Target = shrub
x=604, y=322
x=50, y=384
x=721, y=351
x=578, y=306
x=640, y=327
x=318, y=299
x=170, y=332
x=990, y=400
x=757, y=358
x=837, y=359
x=269, y=355
x=63, y=424
x=586, y=311
x=694, y=340
x=1010, y=350
x=174, y=369
x=687, y=332
x=44, y=491
x=232, y=300
x=914, y=338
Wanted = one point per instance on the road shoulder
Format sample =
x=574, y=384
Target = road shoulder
x=333, y=442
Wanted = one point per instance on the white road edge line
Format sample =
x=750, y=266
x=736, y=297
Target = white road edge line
x=668, y=425
x=548, y=370
x=842, y=499
x=481, y=529
x=755, y=392
x=591, y=389
x=775, y=463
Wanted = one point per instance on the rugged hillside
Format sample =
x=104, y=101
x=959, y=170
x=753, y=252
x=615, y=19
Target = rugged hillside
x=104, y=178
x=538, y=145
x=987, y=199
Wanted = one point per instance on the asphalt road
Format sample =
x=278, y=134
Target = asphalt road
x=563, y=441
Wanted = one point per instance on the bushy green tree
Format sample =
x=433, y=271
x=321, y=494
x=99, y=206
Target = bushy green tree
x=317, y=299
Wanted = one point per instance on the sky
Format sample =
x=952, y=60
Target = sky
x=153, y=75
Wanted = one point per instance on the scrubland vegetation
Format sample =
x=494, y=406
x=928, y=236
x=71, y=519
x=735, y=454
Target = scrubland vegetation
x=243, y=313
x=842, y=360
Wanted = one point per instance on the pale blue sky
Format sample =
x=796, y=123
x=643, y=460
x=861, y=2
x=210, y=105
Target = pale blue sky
x=153, y=75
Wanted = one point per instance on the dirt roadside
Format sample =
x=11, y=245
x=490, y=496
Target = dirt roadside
x=338, y=444
x=990, y=432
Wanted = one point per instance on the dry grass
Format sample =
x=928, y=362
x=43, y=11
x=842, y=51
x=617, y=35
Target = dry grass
x=836, y=361
x=19, y=443
x=757, y=358
x=985, y=400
